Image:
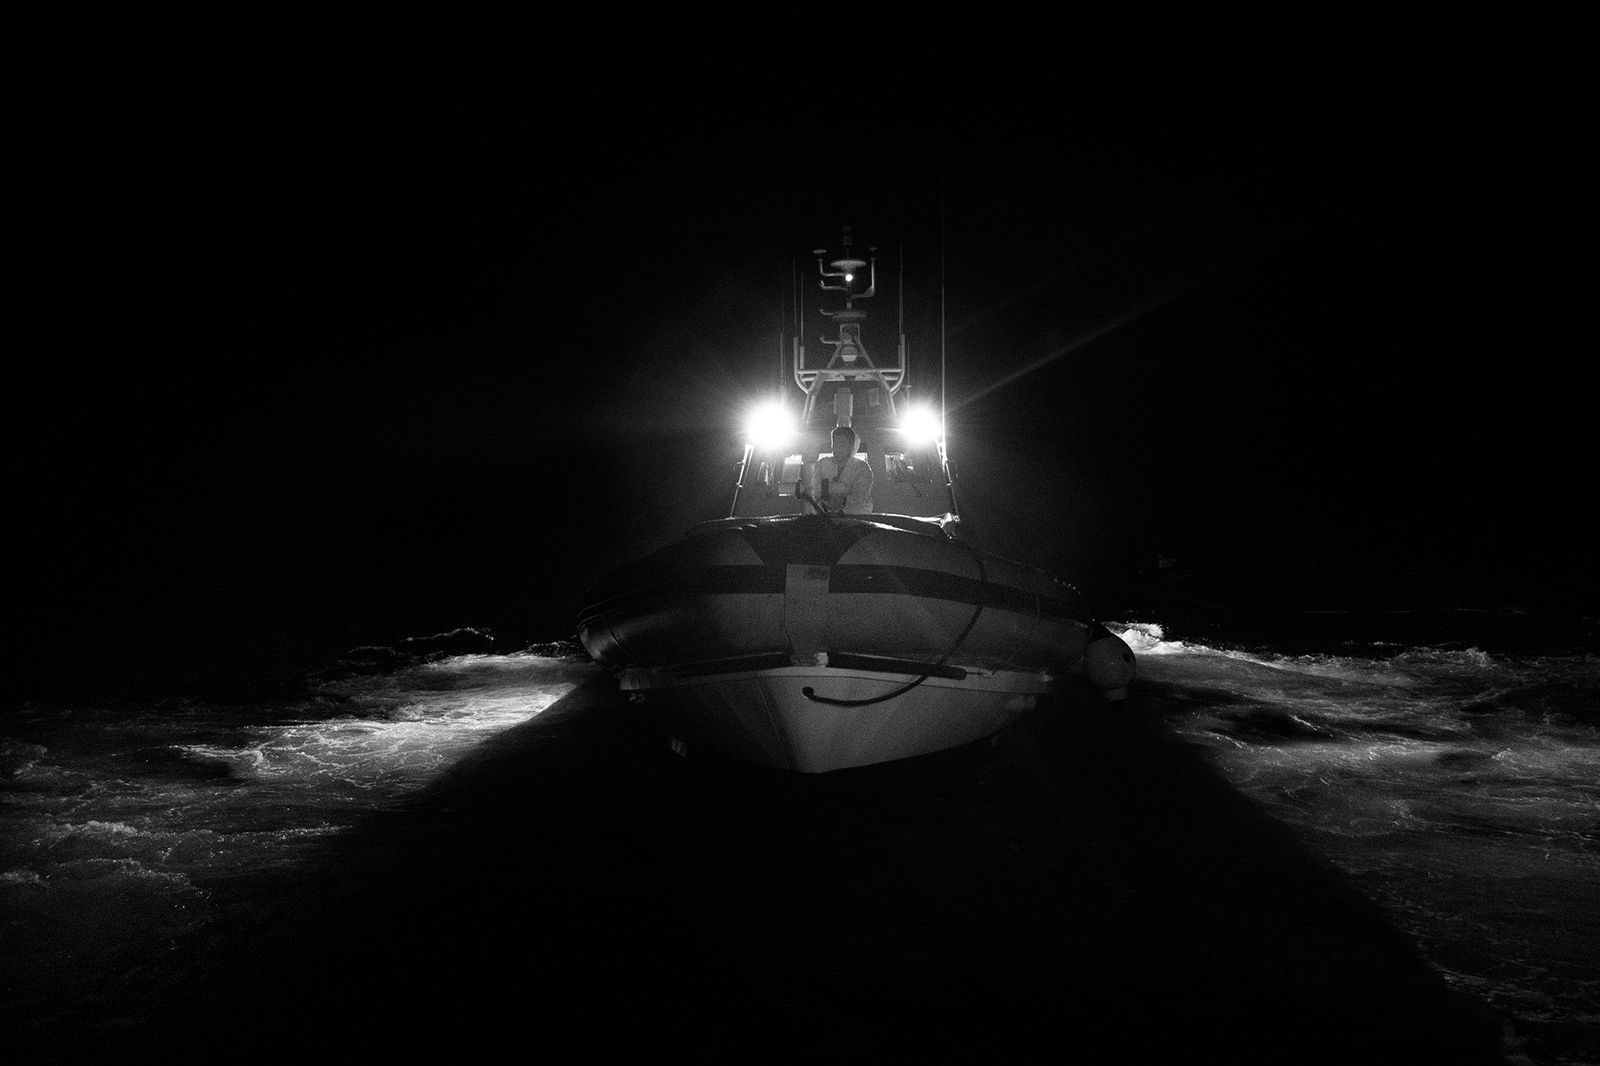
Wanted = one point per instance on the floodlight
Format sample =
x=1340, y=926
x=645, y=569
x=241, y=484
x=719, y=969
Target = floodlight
x=769, y=427
x=921, y=426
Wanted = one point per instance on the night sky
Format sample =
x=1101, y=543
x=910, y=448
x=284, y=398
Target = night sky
x=308, y=372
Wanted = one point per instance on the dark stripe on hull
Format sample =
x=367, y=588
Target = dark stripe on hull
x=941, y=585
x=837, y=660
x=848, y=579
x=844, y=661
x=700, y=581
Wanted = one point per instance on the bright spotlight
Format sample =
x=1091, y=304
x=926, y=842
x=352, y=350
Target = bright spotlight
x=769, y=427
x=921, y=426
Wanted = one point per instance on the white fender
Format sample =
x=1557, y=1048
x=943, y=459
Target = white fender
x=1108, y=663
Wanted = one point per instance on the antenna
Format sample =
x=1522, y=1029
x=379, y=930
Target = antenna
x=943, y=413
x=900, y=294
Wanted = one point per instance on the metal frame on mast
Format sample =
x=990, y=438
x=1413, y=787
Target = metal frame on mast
x=849, y=361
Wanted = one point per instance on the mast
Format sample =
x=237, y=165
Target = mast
x=849, y=360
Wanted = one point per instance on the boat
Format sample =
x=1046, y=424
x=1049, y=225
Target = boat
x=808, y=630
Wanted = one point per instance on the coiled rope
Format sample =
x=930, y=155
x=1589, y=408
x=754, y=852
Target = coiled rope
x=983, y=577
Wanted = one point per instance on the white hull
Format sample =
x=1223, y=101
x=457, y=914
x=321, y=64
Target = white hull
x=764, y=716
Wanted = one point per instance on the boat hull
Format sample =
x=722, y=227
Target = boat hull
x=932, y=643
x=774, y=718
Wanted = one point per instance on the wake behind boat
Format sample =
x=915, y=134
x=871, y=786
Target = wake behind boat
x=835, y=618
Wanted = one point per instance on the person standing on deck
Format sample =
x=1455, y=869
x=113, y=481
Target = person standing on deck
x=846, y=479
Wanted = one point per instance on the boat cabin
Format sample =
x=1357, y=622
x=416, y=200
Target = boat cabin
x=902, y=442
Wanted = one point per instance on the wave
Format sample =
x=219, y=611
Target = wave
x=414, y=651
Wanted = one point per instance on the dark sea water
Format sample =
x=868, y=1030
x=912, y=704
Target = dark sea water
x=1457, y=786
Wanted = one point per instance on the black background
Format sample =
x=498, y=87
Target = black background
x=306, y=363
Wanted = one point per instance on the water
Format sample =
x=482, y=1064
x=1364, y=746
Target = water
x=1457, y=787
x=128, y=827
